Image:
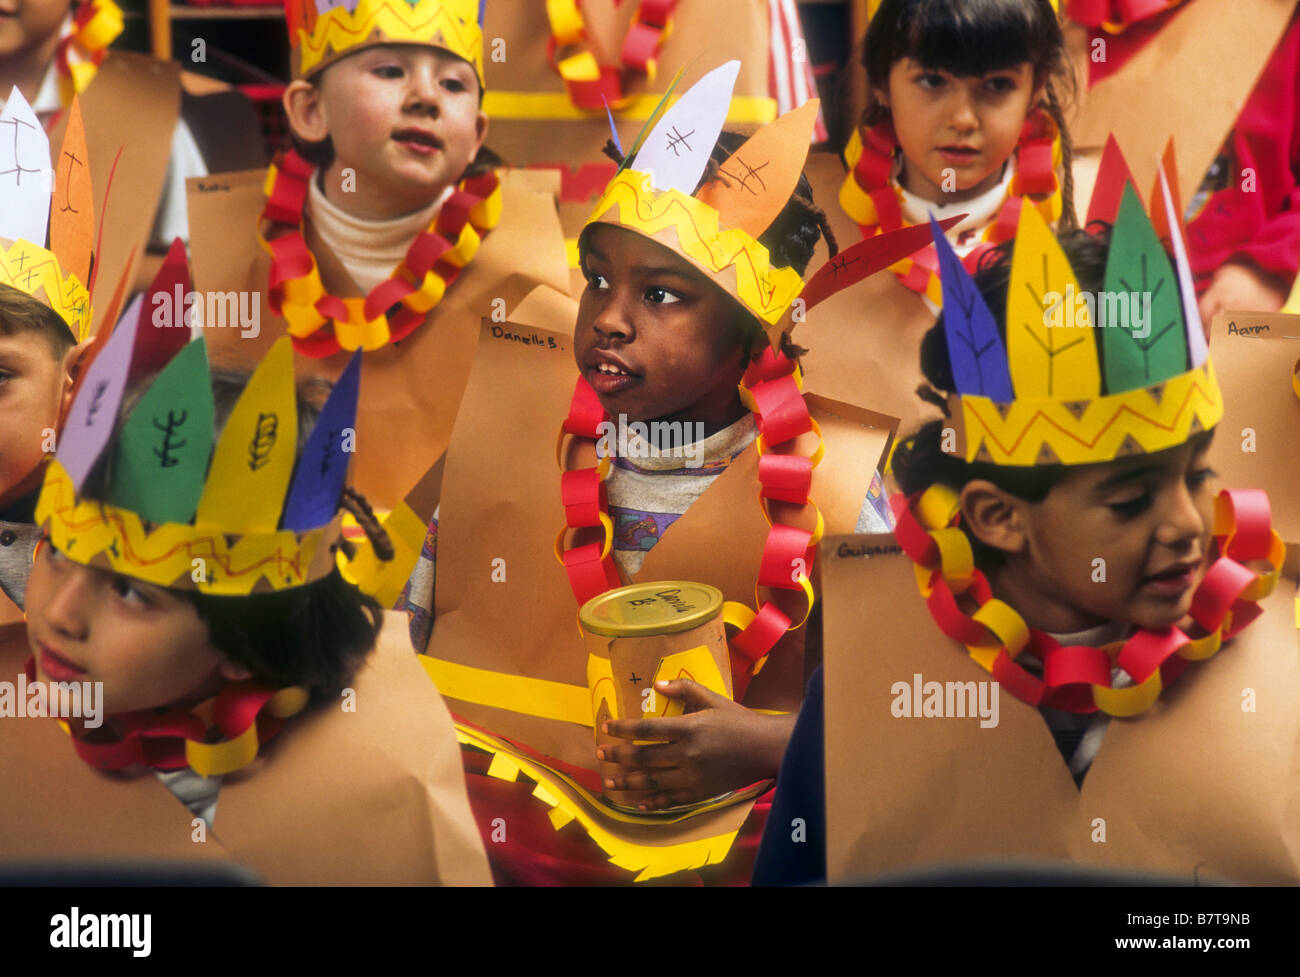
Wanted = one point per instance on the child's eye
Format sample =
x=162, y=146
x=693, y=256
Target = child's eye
x=454, y=85
x=658, y=295
x=930, y=81
x=1000, y=84
x=130, y=592
x=596, y=281
x=1129, y=508
x=1200, y=477
x=388, y=71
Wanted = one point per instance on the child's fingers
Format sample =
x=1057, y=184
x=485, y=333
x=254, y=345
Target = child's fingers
x=673, y=798
x=695, y=695
x=663, y=730
x=664, y=780
x=644, y=756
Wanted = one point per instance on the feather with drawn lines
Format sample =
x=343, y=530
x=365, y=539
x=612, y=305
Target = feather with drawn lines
x=1050, y=343
x=1149, y=343
x=975, y=350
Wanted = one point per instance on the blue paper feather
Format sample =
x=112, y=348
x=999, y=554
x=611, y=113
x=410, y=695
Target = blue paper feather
x=323, y=465
x=975, y=350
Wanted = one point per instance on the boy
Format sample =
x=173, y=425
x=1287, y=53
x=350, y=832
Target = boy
x=39, y=357
x=1075, y=520
x=375, y=236
x=664, y=336
x=193, y=600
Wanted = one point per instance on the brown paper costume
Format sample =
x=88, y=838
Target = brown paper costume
x=1201, y=787
x=411, y=391
x=373, y=796
x=501, y=502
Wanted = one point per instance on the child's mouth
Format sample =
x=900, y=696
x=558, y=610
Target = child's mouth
x=57, y=667
x=610, y=378
x=958, y=154
x=1173, y=581
x=418, y=141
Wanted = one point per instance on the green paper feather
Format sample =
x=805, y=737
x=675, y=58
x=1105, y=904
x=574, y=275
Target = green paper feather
x=1137, y=266
x=164, y=448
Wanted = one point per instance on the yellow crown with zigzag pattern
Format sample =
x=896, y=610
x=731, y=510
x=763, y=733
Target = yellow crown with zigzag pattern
x=717, y=227
x=323, y=31
x=1081, y=377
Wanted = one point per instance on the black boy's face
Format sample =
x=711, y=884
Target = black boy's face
x=655, y=338
x=1148, y=518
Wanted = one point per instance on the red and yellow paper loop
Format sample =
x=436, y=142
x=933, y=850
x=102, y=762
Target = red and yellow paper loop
x=771, y=388
x=35, y=271
x=870, y=197
x=739, y=264
x=1043, y=430
x=176, y=555
x=83, y=48
x=248, y=715
x=591, y=85
x=322, y=324
x=319, y=37
x=1078, y=678
x=1116, y=16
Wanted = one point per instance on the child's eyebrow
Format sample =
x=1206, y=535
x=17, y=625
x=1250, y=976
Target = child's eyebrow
x=1128, y=475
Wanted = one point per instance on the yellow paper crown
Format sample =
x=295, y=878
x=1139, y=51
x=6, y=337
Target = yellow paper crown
x=716, y=228
x=36, y=271
x=245, y=513
x=322, y=31
x=1082, y=378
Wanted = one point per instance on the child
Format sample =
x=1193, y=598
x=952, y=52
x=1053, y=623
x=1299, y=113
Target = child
x=1074, y=509
x=204, y=608
x=382, y=226
x=963, y=117
x=666, y=332
x=151, y=111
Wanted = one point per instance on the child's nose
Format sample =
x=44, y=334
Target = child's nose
x=613, y=321
x=423, y=89
x=963, y=116
x=1183, y=521
x=66, y=612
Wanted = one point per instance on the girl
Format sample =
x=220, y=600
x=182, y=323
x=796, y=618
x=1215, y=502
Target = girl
x=963, y=117
x=1065, y=537
x=690, y=271
x=227, y=655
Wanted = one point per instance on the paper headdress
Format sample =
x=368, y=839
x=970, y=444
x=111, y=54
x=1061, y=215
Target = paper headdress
x=235, y=517
x=323, y=31
x=717, y=228
x=1081, y=377
x=33, y=200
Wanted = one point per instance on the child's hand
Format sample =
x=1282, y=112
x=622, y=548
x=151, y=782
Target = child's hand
x=715, y=747
x=1241, y=287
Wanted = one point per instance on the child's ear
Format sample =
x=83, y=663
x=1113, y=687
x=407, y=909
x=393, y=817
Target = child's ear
x=74, y=363
x=993, y=516
x=481, y=131
x=302, y=107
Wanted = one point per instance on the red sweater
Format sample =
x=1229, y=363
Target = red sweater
x=1259, y=225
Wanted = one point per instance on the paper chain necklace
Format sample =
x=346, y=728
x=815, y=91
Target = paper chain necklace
x=1078, y=678
x=772, y=389
x=591, y=85
x=875, y=203
x=394, y=307
x=246, y=713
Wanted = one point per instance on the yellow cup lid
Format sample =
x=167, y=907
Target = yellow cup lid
x=662, y=607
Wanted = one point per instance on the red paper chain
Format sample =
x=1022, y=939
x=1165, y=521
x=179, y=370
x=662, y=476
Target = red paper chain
x=650, y=25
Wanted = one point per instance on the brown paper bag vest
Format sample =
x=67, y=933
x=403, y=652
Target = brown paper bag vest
x=501, y=501
x=1256, y=442
x=1196, y=787
x=375, y=796
x=409, y=392
x=132, y=105
x=1189, y=81
x=864, y=343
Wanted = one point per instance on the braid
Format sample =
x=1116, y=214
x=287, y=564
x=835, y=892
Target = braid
x=818, y=217
x=355, y=503
x=1069, y=219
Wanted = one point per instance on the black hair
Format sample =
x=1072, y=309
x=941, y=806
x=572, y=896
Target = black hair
x=920, y=460
x=974, y=37
x=20, y=312
x=315, y=636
